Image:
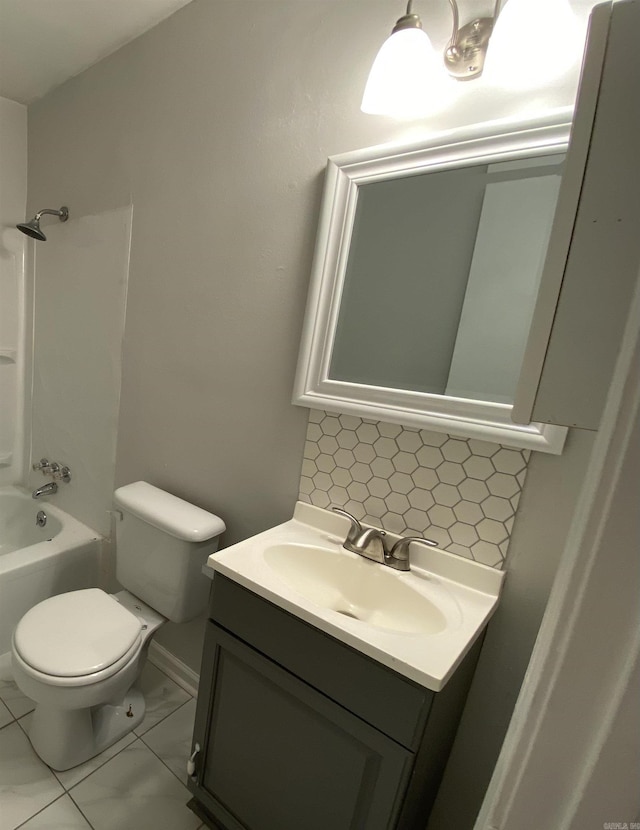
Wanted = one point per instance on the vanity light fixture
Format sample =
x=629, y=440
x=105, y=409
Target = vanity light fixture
x=551, y=25
x=408, y=79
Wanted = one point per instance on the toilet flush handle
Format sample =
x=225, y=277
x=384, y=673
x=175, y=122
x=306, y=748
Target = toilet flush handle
x=191, y=763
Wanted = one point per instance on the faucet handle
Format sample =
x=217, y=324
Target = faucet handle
x=400, y=551
x=355, y=529
x=52, y=468
x=401, y=548
x=61, y=473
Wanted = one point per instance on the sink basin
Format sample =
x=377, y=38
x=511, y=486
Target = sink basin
x=419, y=623
x=354, y=587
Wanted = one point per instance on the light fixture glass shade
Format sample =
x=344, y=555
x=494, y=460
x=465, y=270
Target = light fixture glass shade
x=407, y=79
x=533, y=42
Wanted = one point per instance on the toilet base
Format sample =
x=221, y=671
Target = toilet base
x=64, y=738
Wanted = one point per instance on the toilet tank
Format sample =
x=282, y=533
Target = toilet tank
x=162, y=543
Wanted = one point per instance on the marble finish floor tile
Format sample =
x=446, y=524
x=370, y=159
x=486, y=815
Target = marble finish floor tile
x=134, y=791
x=162, y=697
x=70, y=777
x=26, y=784
x=171, y=739
x=61, y=815
x=17, y=703
x=5, y=715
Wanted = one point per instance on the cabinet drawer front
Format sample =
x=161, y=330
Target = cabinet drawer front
x=384, y=699
x=280, y=756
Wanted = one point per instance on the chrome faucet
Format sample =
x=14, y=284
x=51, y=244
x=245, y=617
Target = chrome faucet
x=369, y=542
x=47, y=489
x=57, y=471
x=60, y=472
x=366, y=542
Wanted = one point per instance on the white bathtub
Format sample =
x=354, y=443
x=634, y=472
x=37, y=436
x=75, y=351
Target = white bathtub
x=38, y=562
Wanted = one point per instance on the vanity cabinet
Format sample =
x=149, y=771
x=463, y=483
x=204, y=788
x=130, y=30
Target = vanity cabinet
x=297, y=730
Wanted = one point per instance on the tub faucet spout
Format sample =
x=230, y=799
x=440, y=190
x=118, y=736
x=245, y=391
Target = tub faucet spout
x=46, y=490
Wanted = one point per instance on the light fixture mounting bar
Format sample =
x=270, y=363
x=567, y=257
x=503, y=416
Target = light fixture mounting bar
x=467, y=48
x=464, y=56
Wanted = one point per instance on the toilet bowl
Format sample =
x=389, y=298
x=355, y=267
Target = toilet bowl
x=97, y=668
x=78, y=655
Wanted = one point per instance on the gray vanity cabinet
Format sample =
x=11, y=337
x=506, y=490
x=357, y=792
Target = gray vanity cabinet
x=277, y=751
x=299, y=732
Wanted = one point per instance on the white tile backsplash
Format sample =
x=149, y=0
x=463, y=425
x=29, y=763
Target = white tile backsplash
x=462, y=493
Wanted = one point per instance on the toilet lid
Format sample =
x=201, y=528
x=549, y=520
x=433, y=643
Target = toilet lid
x=76, y=634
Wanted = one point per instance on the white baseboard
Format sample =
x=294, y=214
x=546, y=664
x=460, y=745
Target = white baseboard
x=174, y=668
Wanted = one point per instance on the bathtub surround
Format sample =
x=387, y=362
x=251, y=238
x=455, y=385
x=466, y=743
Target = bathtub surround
x=15, y=324
x=461, y=493
x=80, y=300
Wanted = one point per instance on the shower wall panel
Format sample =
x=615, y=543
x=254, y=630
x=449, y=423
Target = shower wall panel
x=14, y=293
x=81, y=277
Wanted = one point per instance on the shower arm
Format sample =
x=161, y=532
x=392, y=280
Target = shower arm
x=63, y=213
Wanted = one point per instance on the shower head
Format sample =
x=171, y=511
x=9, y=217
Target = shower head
x=32, y=227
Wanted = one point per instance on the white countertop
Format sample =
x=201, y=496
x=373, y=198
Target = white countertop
x=465, y=592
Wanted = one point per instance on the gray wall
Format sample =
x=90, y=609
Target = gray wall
x=216, y=126
x=539, y=533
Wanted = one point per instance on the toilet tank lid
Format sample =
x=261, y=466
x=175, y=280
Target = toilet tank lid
x=174, y=516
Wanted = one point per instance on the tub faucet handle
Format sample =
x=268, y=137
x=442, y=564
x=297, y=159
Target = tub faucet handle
x=61, y=473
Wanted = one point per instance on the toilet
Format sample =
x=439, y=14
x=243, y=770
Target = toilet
x=77, y=655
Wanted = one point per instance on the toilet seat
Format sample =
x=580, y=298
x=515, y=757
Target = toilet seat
x=76, y=638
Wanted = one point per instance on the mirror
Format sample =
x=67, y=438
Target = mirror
x=425, y=277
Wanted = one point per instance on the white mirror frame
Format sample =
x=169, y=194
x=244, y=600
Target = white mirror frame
x=313, y=388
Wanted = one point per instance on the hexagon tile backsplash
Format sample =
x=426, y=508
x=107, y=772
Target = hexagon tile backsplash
x=460, y=492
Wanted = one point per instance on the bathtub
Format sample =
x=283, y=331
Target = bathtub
x=38, y=562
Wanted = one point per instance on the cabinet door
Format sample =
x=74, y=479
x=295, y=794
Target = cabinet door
x=278, y=755
x=591, y=270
